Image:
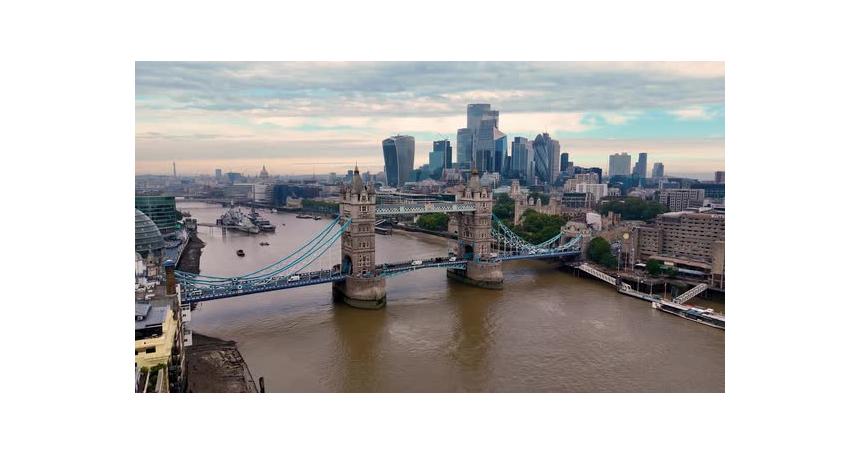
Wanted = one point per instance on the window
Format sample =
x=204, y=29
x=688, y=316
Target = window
x=150, y=350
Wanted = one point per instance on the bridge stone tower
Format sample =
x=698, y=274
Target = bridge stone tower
x=362, y=287
x=475, y=239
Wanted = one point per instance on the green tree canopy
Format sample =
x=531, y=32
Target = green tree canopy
x=503, y=207
x=599, y=251
x=633, y=208
x=537, y=227
x=433, y=222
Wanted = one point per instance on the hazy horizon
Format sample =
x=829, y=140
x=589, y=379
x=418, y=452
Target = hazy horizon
x=298, y=118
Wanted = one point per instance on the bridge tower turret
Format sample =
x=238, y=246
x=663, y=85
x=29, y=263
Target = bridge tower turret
x=475, y=238
x=362, y=287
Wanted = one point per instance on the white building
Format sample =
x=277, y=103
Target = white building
x=598, y=191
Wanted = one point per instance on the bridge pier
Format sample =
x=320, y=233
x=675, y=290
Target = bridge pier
x=476, y=238
x=361, y=292
x=487, y=275
x=363, y=288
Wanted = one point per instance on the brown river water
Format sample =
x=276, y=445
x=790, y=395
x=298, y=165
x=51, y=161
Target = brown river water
x=546, y=331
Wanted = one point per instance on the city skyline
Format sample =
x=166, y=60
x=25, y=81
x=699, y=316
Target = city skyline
x=301, y=118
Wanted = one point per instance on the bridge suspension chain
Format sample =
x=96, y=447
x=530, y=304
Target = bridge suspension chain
x=312, y=250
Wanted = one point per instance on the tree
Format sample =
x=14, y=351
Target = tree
x=633, y=208
x=433, y=222
x=600, y=252
x=597, y=248
x=654, y=267
x=503, y=207
x=537, y=227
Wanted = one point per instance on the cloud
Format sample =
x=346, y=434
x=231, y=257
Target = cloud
x=205, y=111
x=693, y=113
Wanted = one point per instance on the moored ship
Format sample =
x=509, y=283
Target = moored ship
x=235, y=218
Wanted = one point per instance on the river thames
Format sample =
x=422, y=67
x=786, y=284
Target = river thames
x=546, y=331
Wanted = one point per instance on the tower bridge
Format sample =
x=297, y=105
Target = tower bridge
x=483, y=244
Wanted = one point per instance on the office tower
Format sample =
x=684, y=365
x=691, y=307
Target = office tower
x=440, y=157
x=657, y=171
x=522, y=159
x=399, y=155
x=720, y=177
x=491, y=146
x=218, y=174
x=161, y=210
x=481, y=141
x=443, y=146
x=547, y=151
x=619, y=164
x=464, y=147
x=565, y=157
x=174, y=169
x=475, y=113
x=641, y=168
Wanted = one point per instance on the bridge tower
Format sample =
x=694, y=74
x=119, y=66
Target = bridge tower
x=362, y=287
x=475, y=239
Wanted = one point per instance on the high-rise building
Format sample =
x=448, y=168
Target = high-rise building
x=680, y=199
x=547, y=155
x=491, y=146
x=522, y=159
x=160, y=209
x=477, y=112
x=565, y=161
x=720, y=177
x=174, y=169
x=657, y=171
x=641, y=168
x=465, y=145
x=399, y=155
x=218, y=174
x=481, y=141
x=619, y=164
x=440, y=157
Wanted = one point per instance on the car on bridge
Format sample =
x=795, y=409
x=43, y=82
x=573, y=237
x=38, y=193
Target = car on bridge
x=452, y=259
x=417, y=262
x=294, y=278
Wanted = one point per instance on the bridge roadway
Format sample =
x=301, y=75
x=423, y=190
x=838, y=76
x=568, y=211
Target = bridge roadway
x=244, y=287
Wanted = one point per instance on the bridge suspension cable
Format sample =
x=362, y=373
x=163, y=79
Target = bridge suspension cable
x=308, y=253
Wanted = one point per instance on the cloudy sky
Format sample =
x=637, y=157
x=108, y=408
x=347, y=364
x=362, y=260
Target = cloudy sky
x=300, y=117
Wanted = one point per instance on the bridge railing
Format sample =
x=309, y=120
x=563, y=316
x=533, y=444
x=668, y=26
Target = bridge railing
x=415, y=209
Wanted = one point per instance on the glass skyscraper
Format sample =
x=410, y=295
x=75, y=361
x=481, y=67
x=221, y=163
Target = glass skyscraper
x=547, y=154
x=160, y=209
x=440, y=157
x=522, y=159
x=399, y=155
